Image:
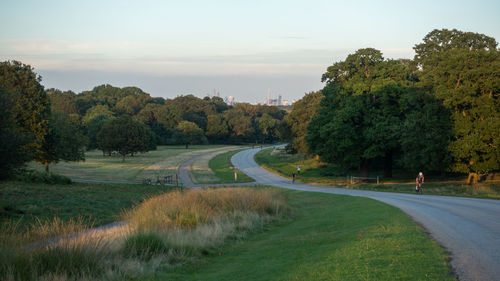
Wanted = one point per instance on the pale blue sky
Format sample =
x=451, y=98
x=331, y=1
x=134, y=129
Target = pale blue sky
x=239, y=48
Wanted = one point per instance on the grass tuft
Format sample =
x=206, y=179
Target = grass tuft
x=144, y=246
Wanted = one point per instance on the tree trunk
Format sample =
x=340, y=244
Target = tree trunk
x=123, y=157
x=388, y=165
x=473, y=178
x=46, y=167
x=187, y=145
x=364, y=168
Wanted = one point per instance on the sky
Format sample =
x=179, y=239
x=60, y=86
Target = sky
x=237, y=48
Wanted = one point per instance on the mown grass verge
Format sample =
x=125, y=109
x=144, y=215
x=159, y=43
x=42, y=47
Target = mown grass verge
x=223, y=168
x=27, y=203
x=331, y=237
x=163, y=232
x=315, y=172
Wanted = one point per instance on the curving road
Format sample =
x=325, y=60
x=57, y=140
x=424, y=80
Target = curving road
x=469, y=228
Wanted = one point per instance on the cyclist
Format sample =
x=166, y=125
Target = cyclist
x=419, y=180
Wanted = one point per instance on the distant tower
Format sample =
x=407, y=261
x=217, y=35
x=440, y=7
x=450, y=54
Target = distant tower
x=279, y=100
x=230, y=100
x=268, y=96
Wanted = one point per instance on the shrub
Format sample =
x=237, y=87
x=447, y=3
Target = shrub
x=42, y=177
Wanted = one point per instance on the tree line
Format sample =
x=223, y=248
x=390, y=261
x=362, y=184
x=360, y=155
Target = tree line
x=438, y=112
x=52, y=125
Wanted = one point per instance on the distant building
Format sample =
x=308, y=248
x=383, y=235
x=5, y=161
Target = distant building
x=230, y=100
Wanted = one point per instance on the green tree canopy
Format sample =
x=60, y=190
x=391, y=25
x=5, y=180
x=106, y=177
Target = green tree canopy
x=96, y=111
x=349, y=106
x=189, y=133
x=268, y=127
x=124, y=135
x=240, y=125
x=217, y=128
x=12, y=137
x=64, y=141
x=93, y=128
x=463, y=70
x=31, y=105
x=360, y=117
x=298, y=119
x=62, y=101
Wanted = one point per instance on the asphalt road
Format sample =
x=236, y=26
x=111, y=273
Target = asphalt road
x=469, y=228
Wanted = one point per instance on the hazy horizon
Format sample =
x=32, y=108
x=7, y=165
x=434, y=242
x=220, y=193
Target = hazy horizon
x=240, y=49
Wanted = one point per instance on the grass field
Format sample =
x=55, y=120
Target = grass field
x=26, y=203
x=223, y=168
x=316, y=172
x=331, y=237
x=218, y=234
x=161, y=162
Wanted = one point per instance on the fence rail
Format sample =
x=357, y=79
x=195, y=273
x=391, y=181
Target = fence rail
x=352, y=179
x=165, y=180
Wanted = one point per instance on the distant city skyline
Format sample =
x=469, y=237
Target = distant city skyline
x=170, y=48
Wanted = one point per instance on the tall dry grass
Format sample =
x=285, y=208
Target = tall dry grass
x=164, y=231
x=189, y=209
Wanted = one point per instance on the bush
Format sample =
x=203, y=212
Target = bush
x=143, y=246
x=42, y=177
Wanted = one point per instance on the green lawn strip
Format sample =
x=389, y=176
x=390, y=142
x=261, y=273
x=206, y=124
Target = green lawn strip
x=331, y=237
x=101, y=203
x=223, y=168
x=313, y=171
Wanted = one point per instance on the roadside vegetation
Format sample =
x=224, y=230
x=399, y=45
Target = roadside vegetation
x=223, y=168
x=163, y=232
x=314, y=171
x=205, y=171
x=331, y=237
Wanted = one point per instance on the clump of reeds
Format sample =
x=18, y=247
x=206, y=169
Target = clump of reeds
x=163, y=231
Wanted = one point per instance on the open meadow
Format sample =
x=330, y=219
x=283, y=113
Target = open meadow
x=316, y=172
x=166, y=233
x=156, y=163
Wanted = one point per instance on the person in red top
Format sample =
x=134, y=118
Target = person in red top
x=419, y=181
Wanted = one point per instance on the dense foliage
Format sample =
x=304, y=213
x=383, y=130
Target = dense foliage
x=215, y=121
x=463, y=70
x=438, y=112
x=294, y=127
x=30, y=131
